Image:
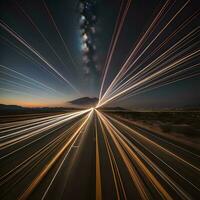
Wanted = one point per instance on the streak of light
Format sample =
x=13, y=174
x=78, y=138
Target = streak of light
x=185, y=40
x=154, y=75
x=42, y=35
x=132, y=171
x=39, y=129
x=174, y=33
x=30, y=123
x=22, y=41
x=165, y=177
x=33, y=81
x=63, y=42
x=29, y=143
x=98, y=169
x=159, y=146
x=27, y=56
x=117, y=29
x=135, y=60
x=137, y=46
x=151, y=86
x=64, y=117
x=152, y=65
x=17, y=92
x=23, y=164
x=126, y=143
x=61, y=164
x=23, y=123
x=41, y=154
x=113, y=164
x=13, y=83
x=154, y=166
x=163, y=140
x=37, y=180
x=30, y=83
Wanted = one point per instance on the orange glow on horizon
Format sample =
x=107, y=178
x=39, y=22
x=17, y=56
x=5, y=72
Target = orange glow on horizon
x=32, y=104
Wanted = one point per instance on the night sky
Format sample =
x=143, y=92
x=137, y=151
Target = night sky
x=32, y=21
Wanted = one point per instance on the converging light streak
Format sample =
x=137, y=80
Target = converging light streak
x=156, y=69
x=158, y=63
x=22, y=41
x=123, y=70
x=38, y=30
x=154, y=75
x=114, y=39
x=58, y=31
x=36, y=181
x=136, y=48
x=27, y=56
x=172, y=50
x=32, y=81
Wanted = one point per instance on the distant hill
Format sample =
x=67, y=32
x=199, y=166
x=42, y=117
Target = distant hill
x=84, y=101
x=11, y=107
x=14, y=109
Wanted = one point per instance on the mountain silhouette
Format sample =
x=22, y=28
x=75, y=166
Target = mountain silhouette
x=84, y=101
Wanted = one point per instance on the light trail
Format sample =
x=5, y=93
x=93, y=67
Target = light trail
x=161, y=58
x=27, y=122
x=108, y=122
x=148, y=69
x=114, y=39
x=23, y=135
x=138, y=182
x=9, y=175
x=172, y=50
x=133, y=157
x=59, y=119
x=98, y=167
x=137, y=46
x=33, y=81
x=154, y=75
x=38, y=30
x=31, y=123
x=27, y=56
x=17, y=92
x=42, y=153
x=57, y=30
x=30, y=143
x=16, y=84
x=120, y=73
x=140, y=163
x=65, y=157
x=151, y=86
x=50, y=90
x=163, y=140
x=160, y=172
x=26, y=44
x=113, y=163
x=157, y=145
x=36, y=181
x=134, y=133
x=172, y=35
x=111, y=42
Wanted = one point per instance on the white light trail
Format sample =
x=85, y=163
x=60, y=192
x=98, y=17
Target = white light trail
x=22, y=41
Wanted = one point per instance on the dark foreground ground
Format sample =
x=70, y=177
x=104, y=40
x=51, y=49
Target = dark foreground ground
x=174, y=122
x=95, y=155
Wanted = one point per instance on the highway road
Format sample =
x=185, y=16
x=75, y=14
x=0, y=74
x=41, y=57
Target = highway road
x=92, y=155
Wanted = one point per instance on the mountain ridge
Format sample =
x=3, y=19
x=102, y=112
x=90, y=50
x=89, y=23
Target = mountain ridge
x=84, y=101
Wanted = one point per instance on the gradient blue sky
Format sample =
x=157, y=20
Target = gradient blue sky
x=66, y=16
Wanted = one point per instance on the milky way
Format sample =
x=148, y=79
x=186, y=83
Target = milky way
x=87, y=22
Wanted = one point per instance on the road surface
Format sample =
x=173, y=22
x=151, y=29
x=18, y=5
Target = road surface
x=92, y=155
